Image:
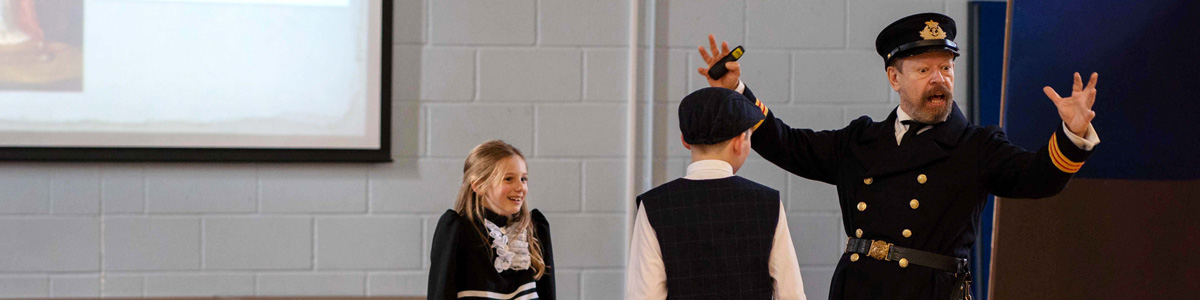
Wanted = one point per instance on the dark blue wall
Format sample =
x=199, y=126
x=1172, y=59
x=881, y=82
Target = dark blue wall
x=1147, y=99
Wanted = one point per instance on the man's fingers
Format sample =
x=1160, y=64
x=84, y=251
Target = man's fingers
x=733, y=67
x=724, y=48
x=1078, y=83
x=704, y=54
x=1092, y=82
x=1052, y=95
x=1091, y=89
x=703, y=71
x=712, y=43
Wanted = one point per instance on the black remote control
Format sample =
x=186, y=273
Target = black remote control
x=717, y=70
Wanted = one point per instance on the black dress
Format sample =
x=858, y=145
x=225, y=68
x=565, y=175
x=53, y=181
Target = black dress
x=462, y=262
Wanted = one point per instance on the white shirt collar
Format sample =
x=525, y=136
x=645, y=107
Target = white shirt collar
x=709, y=169
x=901, y=115
x=902, y=128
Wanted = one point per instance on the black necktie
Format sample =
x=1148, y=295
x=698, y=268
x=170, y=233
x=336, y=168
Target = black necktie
x=913, y=128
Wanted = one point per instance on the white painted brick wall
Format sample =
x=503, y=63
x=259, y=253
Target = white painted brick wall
x=530, y=75
x=312, y=284
x=121, y=286
x=843, y=76
x=50, y=244
x=397, y=283
x=455, y=129
x=558, y=185
x=507, y=22
x=28, y=287
x=313, y=189
x=817, y=24
x=567, y=284
x=183, y=188
x=583, y=22
x=139, y=243
x=199, y=285
x=74, y=286
x=367, y=243
x=258, y=243
x=547, y=76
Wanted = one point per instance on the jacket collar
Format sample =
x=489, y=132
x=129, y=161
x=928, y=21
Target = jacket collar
x=947, y=133
x=880, y=155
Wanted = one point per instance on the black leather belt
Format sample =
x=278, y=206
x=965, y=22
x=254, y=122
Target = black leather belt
x=887, y=252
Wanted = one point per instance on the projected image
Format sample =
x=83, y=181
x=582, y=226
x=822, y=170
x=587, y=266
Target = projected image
x=191, y=75
x=41, y=45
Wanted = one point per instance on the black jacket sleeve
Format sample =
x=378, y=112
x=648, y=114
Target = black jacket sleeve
x=443, y=256
x=545, y=285
x=807, y=153
x=1012, y=172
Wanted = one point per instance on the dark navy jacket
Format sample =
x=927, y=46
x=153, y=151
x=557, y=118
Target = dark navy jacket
x=934, y=185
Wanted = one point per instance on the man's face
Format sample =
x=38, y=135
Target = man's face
x=926, y=85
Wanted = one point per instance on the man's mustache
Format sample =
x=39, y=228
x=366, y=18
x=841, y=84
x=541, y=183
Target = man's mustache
x=938, y=89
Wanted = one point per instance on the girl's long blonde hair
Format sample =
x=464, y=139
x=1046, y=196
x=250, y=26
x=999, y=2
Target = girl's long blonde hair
x=480, y=170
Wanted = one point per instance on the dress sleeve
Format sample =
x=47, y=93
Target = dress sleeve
x=442, y=266
x=545, y=285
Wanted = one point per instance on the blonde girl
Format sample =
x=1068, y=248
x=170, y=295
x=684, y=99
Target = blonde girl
x=491, y=246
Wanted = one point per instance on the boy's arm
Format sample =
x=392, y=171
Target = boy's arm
x=784, y=267
x=646, y=278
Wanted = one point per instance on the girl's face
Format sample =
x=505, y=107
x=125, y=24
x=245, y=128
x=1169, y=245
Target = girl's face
x=508, y=194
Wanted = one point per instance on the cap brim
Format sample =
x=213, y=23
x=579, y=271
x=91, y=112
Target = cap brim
x=920, y=47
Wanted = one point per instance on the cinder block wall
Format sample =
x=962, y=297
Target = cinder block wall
x=548, y=76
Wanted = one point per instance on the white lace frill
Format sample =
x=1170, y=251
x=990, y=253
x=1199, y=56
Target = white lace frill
x=511, y=253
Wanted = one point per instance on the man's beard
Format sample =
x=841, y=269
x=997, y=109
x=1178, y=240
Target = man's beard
x=925, y=112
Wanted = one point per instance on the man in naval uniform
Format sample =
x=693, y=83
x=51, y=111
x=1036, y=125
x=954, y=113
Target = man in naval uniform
x=911, y=187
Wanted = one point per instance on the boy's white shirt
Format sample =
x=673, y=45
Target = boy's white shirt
x=646, y=277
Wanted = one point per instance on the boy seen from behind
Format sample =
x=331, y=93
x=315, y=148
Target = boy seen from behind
x=712, y=234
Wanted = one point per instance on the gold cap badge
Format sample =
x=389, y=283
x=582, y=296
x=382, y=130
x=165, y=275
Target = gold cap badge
x=932, y=31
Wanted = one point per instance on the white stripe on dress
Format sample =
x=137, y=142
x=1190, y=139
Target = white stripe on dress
x=487, y=294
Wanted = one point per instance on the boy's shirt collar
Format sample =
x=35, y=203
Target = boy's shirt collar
x=709, y=169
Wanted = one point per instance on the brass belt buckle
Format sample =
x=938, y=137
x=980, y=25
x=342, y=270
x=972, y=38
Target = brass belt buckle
x=879, y=250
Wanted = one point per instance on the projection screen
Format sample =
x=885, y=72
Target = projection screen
x=195, y=80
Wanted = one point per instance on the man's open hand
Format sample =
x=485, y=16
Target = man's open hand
x=730, y=80
x=1076, y=110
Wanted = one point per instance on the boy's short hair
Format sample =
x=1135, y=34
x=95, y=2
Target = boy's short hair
x=714, y=148
x=715, y=115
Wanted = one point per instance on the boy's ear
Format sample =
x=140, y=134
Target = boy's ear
x=735, y=145
x=685, y=144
